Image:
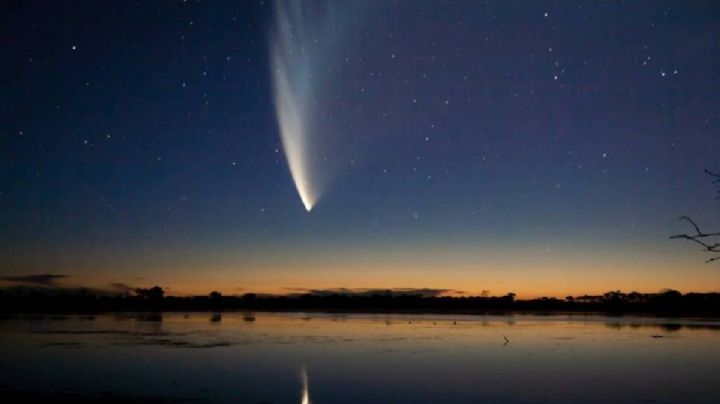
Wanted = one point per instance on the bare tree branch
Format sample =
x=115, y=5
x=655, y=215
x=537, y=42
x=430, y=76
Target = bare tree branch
x=692, y=238
x=716, y=180
x=708, y=246
x=698, y=232
x=697, y=228
x=717, y=176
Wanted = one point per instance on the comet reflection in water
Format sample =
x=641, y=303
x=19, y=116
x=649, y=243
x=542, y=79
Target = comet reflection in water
x=305, y=389
x=304, y=41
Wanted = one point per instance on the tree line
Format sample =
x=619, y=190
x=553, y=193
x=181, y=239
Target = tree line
x=154, y=299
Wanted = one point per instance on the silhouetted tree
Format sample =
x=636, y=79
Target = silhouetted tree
x=670, y=294
x=614, y=296
x=155, y=293
x=635, y=297
x=216, y=300
x=706, y=240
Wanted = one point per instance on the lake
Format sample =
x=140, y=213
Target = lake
x=360, y=358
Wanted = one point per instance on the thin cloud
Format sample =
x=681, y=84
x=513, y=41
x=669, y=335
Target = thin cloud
x=424, y=292
x=121, y=287
x=37, y=279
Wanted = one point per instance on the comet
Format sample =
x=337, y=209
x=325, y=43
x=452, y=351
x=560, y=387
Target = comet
x=293, y=132
x=293, y=55
x=308, y=41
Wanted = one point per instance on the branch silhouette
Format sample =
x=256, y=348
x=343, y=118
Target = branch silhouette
x=704, y=239
x=716, y=181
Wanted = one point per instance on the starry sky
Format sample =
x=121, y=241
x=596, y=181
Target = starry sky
x=543, y=148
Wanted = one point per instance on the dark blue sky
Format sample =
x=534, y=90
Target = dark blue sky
x=541, y=147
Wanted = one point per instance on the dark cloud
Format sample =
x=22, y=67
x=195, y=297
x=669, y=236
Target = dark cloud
x=121, y=287
x=430, y=292
x=47, y=284
x=425, y=292
x=50, y=290
x=39, y=279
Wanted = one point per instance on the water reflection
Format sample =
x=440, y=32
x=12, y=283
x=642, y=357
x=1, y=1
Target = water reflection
x=363, y=358
x=305, y=398
x=663, y=325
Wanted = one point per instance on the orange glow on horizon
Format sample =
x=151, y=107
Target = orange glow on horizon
x=457, y=267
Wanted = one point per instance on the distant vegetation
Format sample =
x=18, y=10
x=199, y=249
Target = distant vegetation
x=670, y=302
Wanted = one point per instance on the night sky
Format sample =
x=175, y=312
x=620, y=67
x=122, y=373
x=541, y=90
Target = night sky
x=543, y=148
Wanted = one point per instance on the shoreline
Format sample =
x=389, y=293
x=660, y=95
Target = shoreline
x=694, y=315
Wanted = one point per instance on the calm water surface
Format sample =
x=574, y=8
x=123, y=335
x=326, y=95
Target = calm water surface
x=328, y=358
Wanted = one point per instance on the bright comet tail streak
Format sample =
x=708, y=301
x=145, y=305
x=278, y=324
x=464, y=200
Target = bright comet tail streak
x=291, y=59
x=307, y=43
x=293, y=134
